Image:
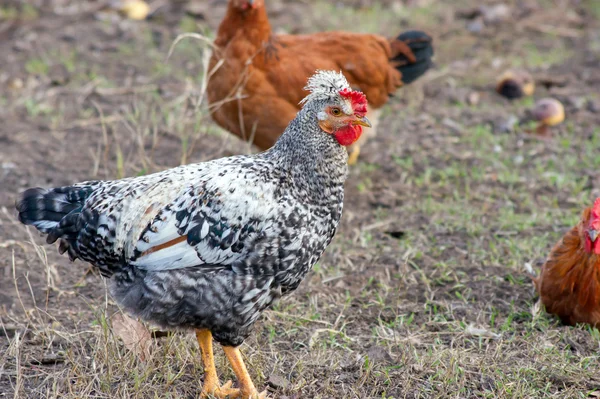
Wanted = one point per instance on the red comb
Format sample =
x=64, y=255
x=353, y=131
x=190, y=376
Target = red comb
x=358, y=100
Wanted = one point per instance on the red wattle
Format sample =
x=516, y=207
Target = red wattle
x=588, y=244
x=348, y=135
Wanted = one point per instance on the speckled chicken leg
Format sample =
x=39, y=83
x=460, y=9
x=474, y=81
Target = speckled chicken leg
x=212, y=386
x=239, y=368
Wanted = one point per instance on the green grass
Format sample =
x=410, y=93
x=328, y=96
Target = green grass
x=37, y=66
x=536, y=58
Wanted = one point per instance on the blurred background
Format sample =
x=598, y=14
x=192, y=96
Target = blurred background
x=423, y=291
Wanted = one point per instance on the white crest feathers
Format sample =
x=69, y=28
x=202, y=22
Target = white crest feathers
x=324, y=85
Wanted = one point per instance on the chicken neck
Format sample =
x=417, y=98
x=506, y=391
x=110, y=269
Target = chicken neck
x=252, y=24
x=313, y=158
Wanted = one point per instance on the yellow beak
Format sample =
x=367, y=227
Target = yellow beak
x=362, y=121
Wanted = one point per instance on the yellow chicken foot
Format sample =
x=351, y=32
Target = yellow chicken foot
x=212, y=387
x=353, y=156
x=239, y=368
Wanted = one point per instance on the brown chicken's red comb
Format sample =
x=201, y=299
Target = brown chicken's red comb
x=358, y=100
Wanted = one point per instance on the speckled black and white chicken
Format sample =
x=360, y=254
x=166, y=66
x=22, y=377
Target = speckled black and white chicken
x=209, y=246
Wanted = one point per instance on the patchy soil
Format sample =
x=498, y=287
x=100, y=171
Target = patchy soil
x=423, y=291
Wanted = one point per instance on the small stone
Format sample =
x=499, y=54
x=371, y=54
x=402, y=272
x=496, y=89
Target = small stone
x=475, y=26
x=496, y=13
x=473, y=98
x=278, y=381
x=15, y=84
x=378, y=354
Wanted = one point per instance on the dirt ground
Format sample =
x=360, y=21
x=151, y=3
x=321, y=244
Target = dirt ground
x=422, y=293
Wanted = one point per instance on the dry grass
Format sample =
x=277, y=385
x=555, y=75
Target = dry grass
x=422, y=293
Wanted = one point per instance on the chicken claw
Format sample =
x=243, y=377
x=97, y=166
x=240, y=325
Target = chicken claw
x=239, y=368
x=225, y=391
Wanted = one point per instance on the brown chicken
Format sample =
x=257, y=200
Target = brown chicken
x=569, y=284
x=258, y=77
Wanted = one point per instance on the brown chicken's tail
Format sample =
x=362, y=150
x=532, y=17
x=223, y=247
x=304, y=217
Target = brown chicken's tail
x=411, y=54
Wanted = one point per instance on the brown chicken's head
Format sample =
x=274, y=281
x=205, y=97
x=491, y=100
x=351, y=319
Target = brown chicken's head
x=246, y=5
x=340, y=111
x=591, y=226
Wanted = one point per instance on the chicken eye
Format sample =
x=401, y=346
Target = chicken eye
x=336, y=112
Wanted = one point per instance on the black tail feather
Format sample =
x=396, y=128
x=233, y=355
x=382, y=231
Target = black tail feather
x=68, y=227
x=55, y=212
x=421, y=46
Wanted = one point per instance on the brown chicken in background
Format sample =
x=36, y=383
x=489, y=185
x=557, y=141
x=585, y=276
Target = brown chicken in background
x=569, y=283
x=258, y=77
